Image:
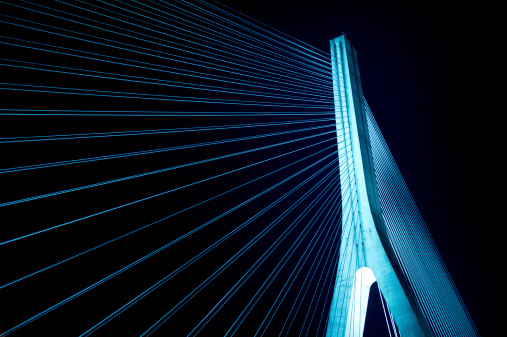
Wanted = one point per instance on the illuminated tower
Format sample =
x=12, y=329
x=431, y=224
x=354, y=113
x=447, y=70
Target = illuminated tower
x=366, y=254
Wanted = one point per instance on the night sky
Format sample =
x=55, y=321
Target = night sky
x=428, y=74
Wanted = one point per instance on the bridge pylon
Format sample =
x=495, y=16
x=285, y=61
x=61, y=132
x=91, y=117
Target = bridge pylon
x=366, y=254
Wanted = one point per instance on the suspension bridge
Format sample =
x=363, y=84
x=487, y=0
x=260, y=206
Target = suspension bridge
x=178, y=168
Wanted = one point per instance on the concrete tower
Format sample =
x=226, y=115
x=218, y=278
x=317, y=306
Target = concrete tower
x=366, y=254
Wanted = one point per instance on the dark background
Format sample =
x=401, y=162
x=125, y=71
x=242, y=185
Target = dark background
x=430, y=76
x=428, y=73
